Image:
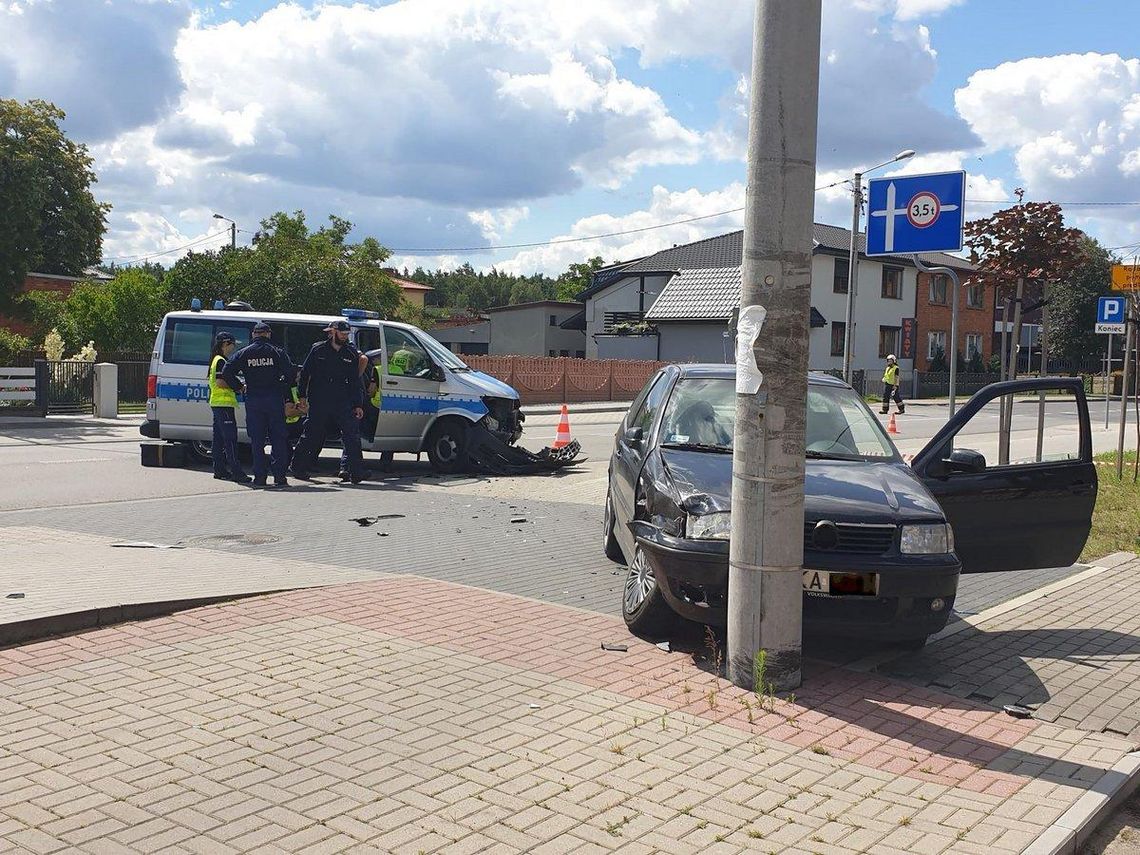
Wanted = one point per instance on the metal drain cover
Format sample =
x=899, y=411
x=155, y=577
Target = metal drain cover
x=250, y=539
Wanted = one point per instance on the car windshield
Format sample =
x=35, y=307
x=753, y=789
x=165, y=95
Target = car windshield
x=441, y=354
x=701, y=412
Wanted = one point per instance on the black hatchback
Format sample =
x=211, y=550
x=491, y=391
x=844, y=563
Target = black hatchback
x=884, y=541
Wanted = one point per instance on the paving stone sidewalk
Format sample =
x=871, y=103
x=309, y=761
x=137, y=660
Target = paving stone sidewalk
x=416, y=715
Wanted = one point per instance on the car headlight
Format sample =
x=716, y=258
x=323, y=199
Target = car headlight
x=927, y=539
x=716, y=526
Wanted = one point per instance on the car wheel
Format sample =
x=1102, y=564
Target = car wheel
x=447, y=446
x=642, y=605
x=200, y=451
x=609, y=537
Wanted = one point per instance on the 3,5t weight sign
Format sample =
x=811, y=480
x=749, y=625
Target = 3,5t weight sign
x=923, y=210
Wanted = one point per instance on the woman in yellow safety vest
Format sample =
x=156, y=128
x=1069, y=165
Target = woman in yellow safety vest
x=223, y=403
x=891, y=386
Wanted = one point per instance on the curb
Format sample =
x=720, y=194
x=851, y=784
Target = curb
x=1076, y=825
x=554, y=410
x=49, y=626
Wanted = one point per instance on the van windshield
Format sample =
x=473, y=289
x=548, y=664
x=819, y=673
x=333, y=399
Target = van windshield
x=441, y=354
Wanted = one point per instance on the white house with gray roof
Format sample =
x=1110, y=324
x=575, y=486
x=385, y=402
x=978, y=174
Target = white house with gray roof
x=675, y=305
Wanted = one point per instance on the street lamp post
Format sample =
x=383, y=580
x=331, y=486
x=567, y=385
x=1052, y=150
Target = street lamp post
x=233, y=229
x=853, y=259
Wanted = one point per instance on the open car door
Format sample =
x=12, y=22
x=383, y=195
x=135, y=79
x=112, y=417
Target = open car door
x=1035, y=511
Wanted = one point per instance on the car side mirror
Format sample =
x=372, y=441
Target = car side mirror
x=436, y=374
x=634, y=436
x=965, y=461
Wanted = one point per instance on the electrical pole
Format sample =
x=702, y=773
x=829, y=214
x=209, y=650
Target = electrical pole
x=852, y=279
x=765, y=587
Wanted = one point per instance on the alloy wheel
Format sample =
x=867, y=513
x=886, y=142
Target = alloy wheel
x=639, y=582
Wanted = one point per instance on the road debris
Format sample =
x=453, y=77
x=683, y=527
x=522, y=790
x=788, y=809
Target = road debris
x=1017, y=711
x=616, y=648
x=16, y=596
x=518, y=519
x=664, y=645
x=364, y=522
x=490, y=455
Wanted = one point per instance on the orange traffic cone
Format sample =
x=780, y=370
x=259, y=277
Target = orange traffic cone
x=562, y=439
x=891, y=426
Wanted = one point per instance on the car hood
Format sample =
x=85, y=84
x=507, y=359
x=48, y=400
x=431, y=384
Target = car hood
x=478, y=383
x=840, y=490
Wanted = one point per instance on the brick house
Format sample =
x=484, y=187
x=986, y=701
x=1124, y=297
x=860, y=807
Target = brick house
x=933, y=312
x=51, y=283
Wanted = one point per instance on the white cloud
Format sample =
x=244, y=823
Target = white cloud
x=911, y=9
x=1072, y=121
x=108, y=65
x=493, y=224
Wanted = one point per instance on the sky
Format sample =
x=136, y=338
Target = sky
x=455, y=131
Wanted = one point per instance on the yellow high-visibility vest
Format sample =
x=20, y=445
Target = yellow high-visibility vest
x=376, y=396
x=891, y=375
x=220, y=396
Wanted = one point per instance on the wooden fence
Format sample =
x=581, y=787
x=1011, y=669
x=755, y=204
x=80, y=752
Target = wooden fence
x=557, y=379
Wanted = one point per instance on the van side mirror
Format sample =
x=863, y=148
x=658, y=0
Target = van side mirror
x=966, y=461
x=634, y=436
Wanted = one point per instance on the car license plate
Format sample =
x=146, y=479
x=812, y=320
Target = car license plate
x=817, y=582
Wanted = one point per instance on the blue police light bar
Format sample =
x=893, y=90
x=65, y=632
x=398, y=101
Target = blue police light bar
x=360, y=314
x=195, y=305
x=219, y=305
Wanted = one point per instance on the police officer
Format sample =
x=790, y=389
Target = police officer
x=330, y=385
x=267, y=370
x=891, y=386
x=223, y=404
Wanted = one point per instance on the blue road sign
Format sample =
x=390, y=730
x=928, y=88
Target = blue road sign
x=916, y=213
x=1110, y=310
x=1110, y=315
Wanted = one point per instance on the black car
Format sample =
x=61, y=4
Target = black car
x=884, y=541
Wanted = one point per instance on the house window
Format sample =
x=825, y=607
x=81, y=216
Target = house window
x=935, y=341
x=974, y=296
x=892, y=283
x=553, y=321
x=888, y=341
x=838, y=334
x=939, y=289
x=973, y=345
x=842, y=271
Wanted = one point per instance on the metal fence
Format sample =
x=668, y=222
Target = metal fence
x=67, y=386
x=933, y=384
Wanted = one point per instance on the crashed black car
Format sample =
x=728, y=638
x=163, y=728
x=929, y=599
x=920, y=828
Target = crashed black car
x=884, y=542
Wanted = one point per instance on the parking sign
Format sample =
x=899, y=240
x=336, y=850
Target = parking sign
x=1110, y=314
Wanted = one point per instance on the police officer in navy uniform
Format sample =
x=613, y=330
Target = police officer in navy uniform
x=330, y=384
x=267, y=370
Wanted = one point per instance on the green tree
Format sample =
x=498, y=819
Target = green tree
x=290, y=269
x=1072, y=307
x=122, y=314
x=49, y=219
x=577, y=278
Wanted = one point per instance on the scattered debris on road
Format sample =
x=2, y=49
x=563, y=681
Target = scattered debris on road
x=1017, y=711
x=364, y=522
x=518, y=519
x=616, y=648
x=490, y=455
x=664, y=645
x=16, y=596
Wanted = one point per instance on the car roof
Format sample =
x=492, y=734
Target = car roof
x=284, y=317
x=722, y=371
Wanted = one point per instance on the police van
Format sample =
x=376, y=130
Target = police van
x=428, y=397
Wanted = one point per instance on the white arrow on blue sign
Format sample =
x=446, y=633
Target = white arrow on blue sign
x=916, y=213
x=1110, y=312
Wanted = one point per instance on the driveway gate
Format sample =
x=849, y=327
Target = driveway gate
x=67, y=386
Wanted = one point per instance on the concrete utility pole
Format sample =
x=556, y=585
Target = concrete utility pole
x=1011, y=374
x=1129, y=339
x=765, y=588
x=233, y=229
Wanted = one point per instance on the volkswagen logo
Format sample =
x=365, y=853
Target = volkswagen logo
x=825, y=535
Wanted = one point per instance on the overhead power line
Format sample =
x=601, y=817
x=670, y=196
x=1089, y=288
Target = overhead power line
x=159, y=254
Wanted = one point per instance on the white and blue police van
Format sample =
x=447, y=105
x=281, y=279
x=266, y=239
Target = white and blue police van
x=429, y=408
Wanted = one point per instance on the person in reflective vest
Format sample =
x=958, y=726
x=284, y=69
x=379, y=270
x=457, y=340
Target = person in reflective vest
x=294, y=412
x=891, y=386
x=404, y=362
x=223, y=404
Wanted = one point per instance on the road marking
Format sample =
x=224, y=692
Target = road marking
x=72, y=460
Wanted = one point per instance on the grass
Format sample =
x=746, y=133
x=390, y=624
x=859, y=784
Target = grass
x=1116, y=518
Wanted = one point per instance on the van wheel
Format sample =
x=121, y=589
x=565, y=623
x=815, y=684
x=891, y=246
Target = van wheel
x=199, y=451
x=610, y=543
x=447, y=446
x=642, y=606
